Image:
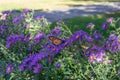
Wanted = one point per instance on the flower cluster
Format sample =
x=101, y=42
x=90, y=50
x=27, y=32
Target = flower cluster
x=112, y=44
x=17, y=19
x=42, y=48
x=14, y=38
x=95, y=54
x=106, y=24
x=32, y=62
x=3, y=29
x=38, y=37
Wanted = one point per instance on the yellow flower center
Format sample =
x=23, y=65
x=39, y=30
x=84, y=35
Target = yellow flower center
x=66, y=43
x=108, y=45
x=77, y=36
x=91, y=57
x=48, y=46
x=54, y=49
x=9, y=68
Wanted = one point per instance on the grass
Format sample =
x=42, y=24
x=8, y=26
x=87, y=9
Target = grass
x=78, y=23
x=81, y=22
x=43, y=4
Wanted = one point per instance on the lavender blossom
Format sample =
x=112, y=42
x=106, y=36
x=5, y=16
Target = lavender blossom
x=17, y=19
x=56, y=31
x=88, y=38
x=90, y=25
x=37, y=68
x=109, y=20
x=58, y=65
x=115, y=46
x=26, y=11
x=9, y=68
x=112, y=37
x=105, y=26
x=6, y=12
x=11, y=40
x=38, y=37
x=39, y=18
x=91, y=58
x=97, y=36
x=77, y=36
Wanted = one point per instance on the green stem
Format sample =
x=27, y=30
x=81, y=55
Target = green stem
x=93, y=70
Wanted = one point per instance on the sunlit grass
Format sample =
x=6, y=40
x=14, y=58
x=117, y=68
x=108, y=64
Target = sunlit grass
x=41, y=4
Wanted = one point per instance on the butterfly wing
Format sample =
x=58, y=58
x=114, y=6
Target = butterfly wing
x=55, y=41
x=51, y=38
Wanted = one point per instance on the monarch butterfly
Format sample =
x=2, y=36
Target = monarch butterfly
x=56, y=41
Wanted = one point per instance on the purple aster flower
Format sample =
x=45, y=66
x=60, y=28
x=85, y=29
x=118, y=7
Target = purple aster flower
x=32, y=64
x=38, y=37
x=27, y=38
x=87, y=52
x=100, y=56
x=38, y=18
x=37, y=68
x=90, y=25
x=49, y=47
x=109, y=20
x=6, y=12
x=66, y=42
x=105, y=26
x=22, y=67
x=31, y=61
x=58, y=65
x=115, y=47
x=107, y=45
x=11, y=40
x=94, y=49
x=26, y=11
x=97, y=35
x=99, y=59
x=77, y=35
x=28, y=60
x=91, y=58
x=8, y=45
x=9, y=68
x=3, y=29
x=17, y=19
x=88, y=38
x=112, y=37
x=56, y=31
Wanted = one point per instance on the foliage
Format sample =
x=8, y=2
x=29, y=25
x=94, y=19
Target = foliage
x=27, y=51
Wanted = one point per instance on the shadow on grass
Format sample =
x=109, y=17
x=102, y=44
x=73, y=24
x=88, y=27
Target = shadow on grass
x=77, y=11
